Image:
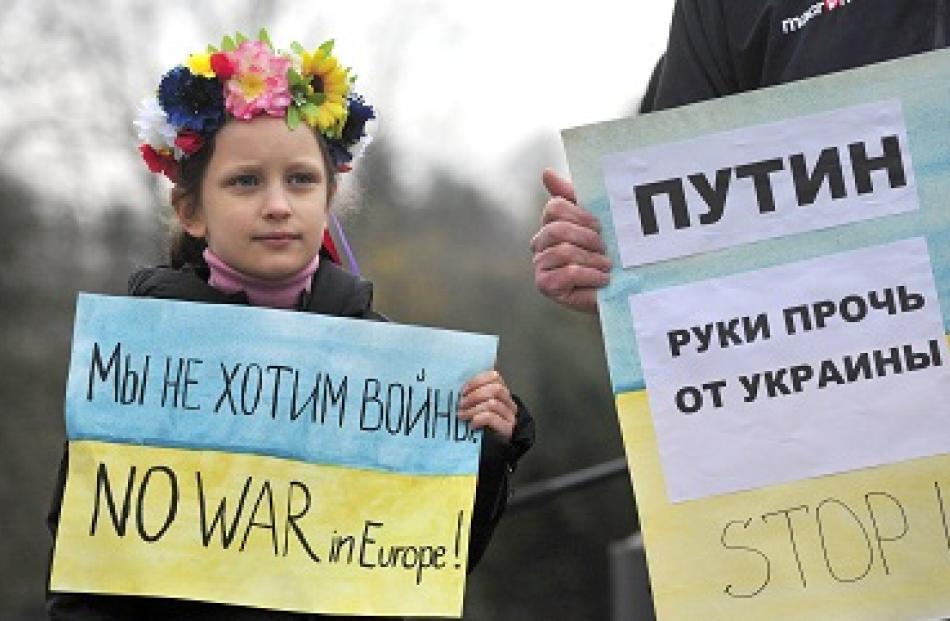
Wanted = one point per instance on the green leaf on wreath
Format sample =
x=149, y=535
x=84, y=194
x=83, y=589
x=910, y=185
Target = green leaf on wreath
x=293, y=117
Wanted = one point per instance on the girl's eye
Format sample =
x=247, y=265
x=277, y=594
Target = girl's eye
x=302, y=178
x=244, y=181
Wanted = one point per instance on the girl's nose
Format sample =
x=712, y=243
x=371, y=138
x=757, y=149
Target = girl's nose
x=277, y=205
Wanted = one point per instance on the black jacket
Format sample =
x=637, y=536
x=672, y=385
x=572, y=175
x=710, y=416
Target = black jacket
x=723, y=47
x=333, y=292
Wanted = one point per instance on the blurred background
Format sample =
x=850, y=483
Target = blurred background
x=440, y=211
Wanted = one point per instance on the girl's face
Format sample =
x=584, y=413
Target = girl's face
x=264, y=198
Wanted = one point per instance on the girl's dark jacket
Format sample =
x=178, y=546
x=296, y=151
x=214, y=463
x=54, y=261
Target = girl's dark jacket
x=334, y=292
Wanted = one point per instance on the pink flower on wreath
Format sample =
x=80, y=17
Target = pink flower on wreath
x=259, y=82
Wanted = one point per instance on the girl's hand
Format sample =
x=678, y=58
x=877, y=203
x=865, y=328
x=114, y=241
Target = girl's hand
x=486, y=402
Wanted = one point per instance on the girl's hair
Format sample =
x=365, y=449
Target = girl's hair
x=183, y=248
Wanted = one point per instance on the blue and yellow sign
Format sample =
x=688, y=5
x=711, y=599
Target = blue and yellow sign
x=267, y=458
x=775, y=329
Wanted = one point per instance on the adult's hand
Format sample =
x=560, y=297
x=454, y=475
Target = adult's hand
x=570, y=260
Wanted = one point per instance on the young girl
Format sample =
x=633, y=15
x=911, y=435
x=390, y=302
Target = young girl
x=253, y=140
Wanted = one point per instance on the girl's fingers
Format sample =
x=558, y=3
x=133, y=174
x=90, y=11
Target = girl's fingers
x=492, y=390
x=503, y=408
x=489, y=419
x=486, y=403
x=485, y=377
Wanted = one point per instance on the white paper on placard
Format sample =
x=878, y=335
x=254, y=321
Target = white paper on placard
x=776, y=179
x=822, y=425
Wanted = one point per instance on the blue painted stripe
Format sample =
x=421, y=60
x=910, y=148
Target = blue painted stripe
x=272, y=350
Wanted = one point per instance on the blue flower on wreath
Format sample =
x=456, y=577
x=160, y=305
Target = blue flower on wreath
x=358, y=114
x=192, y=102
x=339, y=153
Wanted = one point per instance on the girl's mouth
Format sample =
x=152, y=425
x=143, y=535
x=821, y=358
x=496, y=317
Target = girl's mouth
x=276, y=236
x=277, y=239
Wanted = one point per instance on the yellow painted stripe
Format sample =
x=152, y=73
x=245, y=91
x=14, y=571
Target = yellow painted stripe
x=413, y=521
x=835, y=572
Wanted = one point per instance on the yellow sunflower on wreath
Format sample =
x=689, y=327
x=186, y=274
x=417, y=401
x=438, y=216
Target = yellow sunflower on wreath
x=319, y=90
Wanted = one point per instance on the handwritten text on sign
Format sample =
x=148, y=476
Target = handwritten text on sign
x=289, y=461
x=319, y=389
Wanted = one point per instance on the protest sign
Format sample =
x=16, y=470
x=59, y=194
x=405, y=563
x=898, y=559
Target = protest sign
x=775, y=329
x=267, y=458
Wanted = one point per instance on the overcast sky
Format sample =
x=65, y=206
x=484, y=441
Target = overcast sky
x=481, y=87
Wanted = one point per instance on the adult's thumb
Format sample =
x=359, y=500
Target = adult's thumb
x=557, y=185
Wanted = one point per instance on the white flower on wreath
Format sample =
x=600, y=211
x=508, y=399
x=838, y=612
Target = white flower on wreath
x=152, y=126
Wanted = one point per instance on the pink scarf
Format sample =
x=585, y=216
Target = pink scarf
x=283, y=293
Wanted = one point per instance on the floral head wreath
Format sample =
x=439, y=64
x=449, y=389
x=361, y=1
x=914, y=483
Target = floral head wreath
x=243, y=79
